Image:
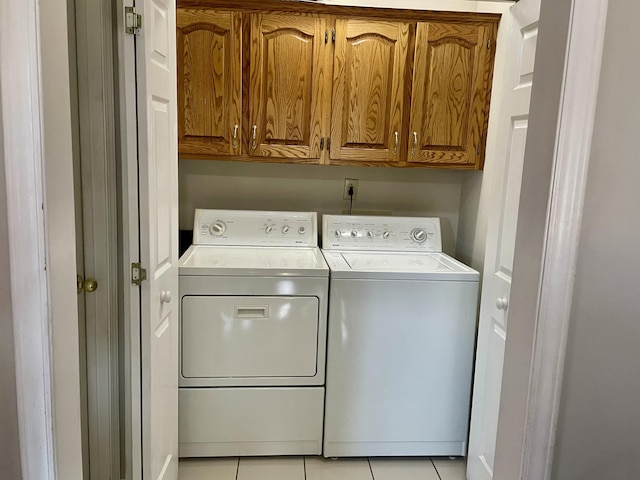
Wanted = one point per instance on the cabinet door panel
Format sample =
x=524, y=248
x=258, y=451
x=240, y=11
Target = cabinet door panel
x=368, y=88
x=286, y=95
x=209, y=81
x=450, y=100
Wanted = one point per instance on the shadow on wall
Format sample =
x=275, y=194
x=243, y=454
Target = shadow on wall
x=319, y=188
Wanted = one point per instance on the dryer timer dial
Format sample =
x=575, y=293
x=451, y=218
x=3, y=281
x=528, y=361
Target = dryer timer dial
x=217, y=228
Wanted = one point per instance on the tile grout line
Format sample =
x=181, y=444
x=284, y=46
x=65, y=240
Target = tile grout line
x=435, y=468
x=371, y=469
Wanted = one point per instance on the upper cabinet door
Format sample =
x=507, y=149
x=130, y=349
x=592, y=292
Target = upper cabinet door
x=209, y=58
x=369, y=77
x=452, y=76
x=286, y=92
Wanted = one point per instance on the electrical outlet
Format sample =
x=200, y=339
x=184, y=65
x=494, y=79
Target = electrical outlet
x=348, y=182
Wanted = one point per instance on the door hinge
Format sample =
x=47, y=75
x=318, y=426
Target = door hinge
x=333, y=35
x=138, y=274
x=489, y=44
x=322, y=144
x=326, y=36
x=132, y=21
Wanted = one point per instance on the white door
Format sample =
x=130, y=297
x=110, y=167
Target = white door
x=520, y=43
x=158, y=190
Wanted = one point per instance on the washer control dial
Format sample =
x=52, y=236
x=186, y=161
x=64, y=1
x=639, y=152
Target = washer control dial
x=354, y=234
x=285, y=229
x=386, y=234
x=337, y=234
x=301, y=230
x=369, y=234
x=269, y=229
x=418, y=235
x=217, y=228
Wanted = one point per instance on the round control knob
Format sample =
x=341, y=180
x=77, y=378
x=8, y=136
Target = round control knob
x=285, y=229
x=386, y=234
x=337, y=233
x=369, y=234
x=502, y=303
x=301, y=230
x=269, y=229
x=418, y=235
x=217, y=228
x=354, y=233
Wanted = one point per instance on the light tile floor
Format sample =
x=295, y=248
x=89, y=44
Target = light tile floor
x=318, y=468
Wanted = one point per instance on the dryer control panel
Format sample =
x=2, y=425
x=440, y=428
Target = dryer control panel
x=352, y=232
x=255, y=228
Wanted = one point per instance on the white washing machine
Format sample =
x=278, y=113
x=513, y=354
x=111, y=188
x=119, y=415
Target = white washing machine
x=402, y=320
x=253, y=309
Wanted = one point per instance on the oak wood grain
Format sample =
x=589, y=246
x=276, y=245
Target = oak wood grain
x=286, y=91
x=452, y=81
x=370, y=66
x=433, y=76
x=209, y=81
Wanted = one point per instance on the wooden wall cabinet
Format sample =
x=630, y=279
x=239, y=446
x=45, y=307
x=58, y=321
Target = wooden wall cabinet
x=369, y=72
x=209, y=59
x=452, y=73
x=287, y=86
x=340, y=85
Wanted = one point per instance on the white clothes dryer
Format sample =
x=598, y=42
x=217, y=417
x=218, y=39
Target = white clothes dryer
x=253, y=309
x=402, y=320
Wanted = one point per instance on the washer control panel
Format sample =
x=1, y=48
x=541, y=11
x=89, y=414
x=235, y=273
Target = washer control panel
x=255, y=228
x=351, y=232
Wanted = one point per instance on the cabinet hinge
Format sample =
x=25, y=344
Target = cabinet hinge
x=326, y=36
x=138, y=274
x=333, y=35
x=478, y=149
x=132, y=21
x=322, y=144
x=489, y=44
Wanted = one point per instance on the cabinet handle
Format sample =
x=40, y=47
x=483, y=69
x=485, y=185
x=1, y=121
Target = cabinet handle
x=254, y=136
x=235, y=136
x=415, y=143
x=395, y=146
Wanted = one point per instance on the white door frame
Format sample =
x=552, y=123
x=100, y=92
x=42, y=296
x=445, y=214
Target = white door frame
x=21, y=104
x=37, y=143
x=542, y=288
x=49, y=433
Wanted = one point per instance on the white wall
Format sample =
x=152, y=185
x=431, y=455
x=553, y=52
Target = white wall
x=9, y=439
x=263, y=186
x=599, y=423
x=490, y=6
x=60, y=225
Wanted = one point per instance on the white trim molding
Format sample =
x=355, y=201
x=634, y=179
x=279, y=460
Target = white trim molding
x=572, y=153
x=21, y=102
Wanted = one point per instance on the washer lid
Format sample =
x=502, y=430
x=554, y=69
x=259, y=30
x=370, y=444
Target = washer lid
x=253, y=261
x=397, y=266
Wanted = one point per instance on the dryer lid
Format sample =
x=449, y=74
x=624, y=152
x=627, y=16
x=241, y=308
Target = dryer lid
x=253, y=261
